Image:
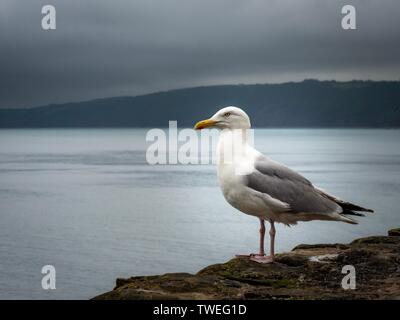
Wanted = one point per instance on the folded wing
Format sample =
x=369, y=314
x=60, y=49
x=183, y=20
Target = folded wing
x=282, y=183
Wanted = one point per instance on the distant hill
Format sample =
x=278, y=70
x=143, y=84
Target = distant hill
x=309, y=103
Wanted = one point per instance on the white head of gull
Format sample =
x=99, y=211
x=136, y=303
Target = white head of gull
x=266, y=189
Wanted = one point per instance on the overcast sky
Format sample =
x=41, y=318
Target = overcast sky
x=107, y=48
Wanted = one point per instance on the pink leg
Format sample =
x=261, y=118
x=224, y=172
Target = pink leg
x=272, y=233
x=262, y=236
x=261, y=257
x=261, y=252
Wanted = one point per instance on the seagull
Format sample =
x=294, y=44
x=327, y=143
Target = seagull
x=259, y=186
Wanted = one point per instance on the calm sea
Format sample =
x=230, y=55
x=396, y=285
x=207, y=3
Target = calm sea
x=86, y=202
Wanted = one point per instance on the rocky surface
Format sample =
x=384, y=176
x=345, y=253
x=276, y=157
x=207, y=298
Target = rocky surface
x=307, y=272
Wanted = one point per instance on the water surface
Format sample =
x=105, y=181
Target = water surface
x=86, y=201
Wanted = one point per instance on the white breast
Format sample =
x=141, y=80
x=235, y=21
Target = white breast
x=235, y=161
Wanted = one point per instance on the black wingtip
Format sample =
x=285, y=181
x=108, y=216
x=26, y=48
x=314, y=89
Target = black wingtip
x=352, y=213
x=364, y=210
x=354, y=207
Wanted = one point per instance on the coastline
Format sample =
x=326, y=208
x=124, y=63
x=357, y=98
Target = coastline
x=309, y=271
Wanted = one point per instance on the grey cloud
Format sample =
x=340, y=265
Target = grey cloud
x=110, y=48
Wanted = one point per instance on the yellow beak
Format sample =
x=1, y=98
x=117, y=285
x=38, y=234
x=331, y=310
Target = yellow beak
x=204, y=124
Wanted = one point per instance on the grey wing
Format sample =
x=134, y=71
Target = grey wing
x=348, y=207
x=286, y=185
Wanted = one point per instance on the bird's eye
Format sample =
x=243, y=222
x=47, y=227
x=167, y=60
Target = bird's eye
x=227, y=114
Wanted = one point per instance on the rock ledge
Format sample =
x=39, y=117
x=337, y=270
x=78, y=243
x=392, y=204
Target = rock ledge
x=307, y=272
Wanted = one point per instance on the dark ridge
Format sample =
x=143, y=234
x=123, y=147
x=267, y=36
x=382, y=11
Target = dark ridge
x=311, y=103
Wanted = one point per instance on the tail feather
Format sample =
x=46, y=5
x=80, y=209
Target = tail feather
x=352, y=207
x=344, y=218
x=346, y=206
